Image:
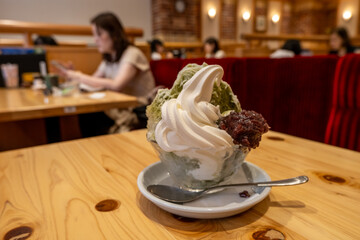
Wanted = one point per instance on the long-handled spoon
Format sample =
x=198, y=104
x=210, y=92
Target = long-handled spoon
x=181, y=195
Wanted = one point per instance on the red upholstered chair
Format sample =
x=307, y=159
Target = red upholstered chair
x=165, y=71
x=343, y=128
x=293, y=94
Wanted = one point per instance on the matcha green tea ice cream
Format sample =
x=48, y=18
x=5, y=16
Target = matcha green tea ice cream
x=197, y=127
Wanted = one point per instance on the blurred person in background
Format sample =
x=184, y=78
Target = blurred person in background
x=45, y=40
x=340, y=43
x=291, y=48
x=212, y=49
x=158, y=50
x=124, y=69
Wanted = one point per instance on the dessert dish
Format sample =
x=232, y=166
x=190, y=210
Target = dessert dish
x=199, y=129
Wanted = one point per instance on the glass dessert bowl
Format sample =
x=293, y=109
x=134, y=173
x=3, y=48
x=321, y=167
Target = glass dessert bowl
x=189, y=172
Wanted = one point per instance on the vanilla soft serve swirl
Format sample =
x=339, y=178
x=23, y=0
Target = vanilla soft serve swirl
x=188, y=125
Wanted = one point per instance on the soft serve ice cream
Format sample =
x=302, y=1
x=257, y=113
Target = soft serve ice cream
x=188, y=126
x=185, y=121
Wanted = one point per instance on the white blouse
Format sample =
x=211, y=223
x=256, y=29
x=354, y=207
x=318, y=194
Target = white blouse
x=143, y=82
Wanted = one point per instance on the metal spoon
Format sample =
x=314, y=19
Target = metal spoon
x=180, y=195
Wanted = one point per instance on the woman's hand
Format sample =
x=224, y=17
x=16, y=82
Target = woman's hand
x=60, y=67
x=126, y=74
x=73, y=75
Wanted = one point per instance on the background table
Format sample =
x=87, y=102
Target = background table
x=86, y=189
x=22, y=114
x=21, y=104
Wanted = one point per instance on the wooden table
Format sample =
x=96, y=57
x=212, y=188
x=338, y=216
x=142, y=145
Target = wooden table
x=54, y=191
x=22, y=113
x=21, y=104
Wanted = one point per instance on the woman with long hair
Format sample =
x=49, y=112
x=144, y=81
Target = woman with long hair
x=124, y=68
x=212, y=48
x=340, y=42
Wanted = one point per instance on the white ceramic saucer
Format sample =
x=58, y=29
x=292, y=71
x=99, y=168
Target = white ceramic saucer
x=218, y=205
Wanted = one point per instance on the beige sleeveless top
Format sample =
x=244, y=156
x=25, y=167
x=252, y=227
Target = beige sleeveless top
x=143, y=83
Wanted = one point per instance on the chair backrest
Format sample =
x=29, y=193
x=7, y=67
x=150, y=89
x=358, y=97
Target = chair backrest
x=165, y=71
x=343, y=128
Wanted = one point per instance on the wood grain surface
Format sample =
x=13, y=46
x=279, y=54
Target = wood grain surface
x=21, y=104
x=86, y=189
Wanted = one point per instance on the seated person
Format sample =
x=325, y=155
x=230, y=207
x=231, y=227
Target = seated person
x=340, y=42
x=212, y=49
x=291, y=48
x=45, y=40
x=124, y=67
x=158, y=50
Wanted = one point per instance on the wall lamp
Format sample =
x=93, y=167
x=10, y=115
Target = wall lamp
x=275, y=18
x=347, y=15
x=212, y=13
x=246, y=16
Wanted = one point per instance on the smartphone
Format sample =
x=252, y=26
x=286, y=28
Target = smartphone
x=58, y=65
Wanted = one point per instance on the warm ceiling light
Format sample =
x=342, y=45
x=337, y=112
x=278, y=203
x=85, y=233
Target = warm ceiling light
x=347, y=15
x=212, y=13
x=275, y=18
x=246, y=16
